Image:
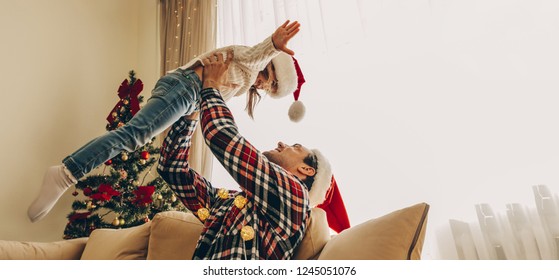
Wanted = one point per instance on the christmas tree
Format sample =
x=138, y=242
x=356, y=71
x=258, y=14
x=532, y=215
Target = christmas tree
x=118, y=196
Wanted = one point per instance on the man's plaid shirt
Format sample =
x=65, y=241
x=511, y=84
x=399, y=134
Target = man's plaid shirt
x=278, y=205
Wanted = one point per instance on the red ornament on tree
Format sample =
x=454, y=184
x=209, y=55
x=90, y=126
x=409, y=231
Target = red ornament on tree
x=87, y=191
x=145, y=155
x=109, y=162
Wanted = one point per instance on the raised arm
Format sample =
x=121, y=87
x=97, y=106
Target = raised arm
x=258, y=56
x=191, y=188
x=277, y=193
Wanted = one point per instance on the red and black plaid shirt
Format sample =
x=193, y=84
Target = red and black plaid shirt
x=278, y=205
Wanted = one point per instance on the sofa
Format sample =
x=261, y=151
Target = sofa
x=172, y=235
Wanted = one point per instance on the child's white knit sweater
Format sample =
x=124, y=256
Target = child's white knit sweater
x=243, y=70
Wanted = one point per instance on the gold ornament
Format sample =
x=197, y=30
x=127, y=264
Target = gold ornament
x=90, y=205
x=173, y=198
x=223, y=193
x=125, y=101
x=142, y=161
x=203, y=213
x=159, y=196
x=116, y=222
x=123, y=174
x=247, y=233
x=240, y=201
x=121, y=221
x=114, y=114
x=124, y=156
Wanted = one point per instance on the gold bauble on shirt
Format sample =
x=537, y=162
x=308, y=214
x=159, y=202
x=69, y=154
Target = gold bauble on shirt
x=240, y=201
x=223, y=193
x=247, y=233
x=203, y=213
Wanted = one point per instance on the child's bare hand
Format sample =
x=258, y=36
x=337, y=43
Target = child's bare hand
x=283, y=34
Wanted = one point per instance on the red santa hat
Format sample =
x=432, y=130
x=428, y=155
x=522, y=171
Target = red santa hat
x=325, y=194
x=290, y=79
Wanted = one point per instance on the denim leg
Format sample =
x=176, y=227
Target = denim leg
x=175, y=94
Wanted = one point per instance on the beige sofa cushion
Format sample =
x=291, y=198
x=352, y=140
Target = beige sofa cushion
x=118, y=244
x=59, y=250
x=396, y=236
x=316, y=236
x=174, y=236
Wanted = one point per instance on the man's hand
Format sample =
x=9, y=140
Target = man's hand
x=215, y=70
x=283, y=34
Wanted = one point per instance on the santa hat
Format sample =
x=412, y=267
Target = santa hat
x=290, y=78
x=325, y=194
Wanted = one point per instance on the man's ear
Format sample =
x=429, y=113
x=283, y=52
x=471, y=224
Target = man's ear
x=306, y=170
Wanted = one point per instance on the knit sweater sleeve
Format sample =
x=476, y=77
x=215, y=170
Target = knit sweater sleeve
x=278, y=194
x=256, y=58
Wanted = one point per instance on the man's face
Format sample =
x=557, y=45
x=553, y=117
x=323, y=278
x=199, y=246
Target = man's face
x=287, y=156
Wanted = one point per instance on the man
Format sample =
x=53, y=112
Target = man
x=268, y=217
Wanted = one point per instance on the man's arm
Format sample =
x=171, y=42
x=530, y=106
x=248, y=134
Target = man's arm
x=278, y=194
x=192, y=189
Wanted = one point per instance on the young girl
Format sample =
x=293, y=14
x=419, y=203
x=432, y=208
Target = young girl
x=266, y=66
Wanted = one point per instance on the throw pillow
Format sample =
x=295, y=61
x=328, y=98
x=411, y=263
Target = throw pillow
x=59, y=250
x=118, y=244
x=316, y=236
x=174, y=236
x=396, y=236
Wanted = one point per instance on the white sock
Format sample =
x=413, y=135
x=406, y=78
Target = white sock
x=56, y=181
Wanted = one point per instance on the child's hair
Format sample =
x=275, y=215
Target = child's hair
x=252, y=99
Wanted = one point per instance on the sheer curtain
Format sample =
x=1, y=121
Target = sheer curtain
x=249, y=22
x=188, y=28
x=450, y=102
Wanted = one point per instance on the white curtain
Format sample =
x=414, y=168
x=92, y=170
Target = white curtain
x=247, y=22
x=188, y=28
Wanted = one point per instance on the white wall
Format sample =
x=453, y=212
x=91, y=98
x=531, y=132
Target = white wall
x=61, y=64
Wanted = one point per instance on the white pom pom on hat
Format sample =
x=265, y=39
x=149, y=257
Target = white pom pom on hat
x=290, y=79
x=296, y=111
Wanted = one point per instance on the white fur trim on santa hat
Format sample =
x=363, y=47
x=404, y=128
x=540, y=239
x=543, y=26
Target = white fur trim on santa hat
x=322, y=180
x=285, y=74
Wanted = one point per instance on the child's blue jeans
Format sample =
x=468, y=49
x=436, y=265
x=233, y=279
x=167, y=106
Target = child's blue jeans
x=176, y=94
